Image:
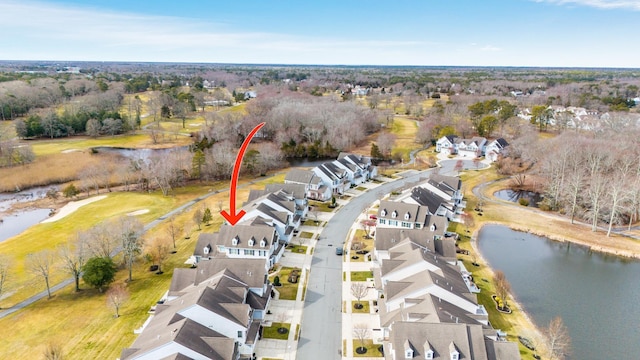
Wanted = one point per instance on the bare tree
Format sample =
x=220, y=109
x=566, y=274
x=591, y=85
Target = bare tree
x=158, y=248
x=359, y=290
x=100, y=240
x=385, y=143
x=117, y=295
x=361, y=333
x=40, y=264
x=502, y=287
x=5, y=265
x=173, y=229
x=73, y=258
x=197, y=218
x=129, y=229
x=558, y=341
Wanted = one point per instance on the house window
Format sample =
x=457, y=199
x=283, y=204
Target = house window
x=407, y=216
x=249, y=252
x=234, y=251
x=383, y=212
x=206, y=250
x=393, y=222
x=239, y=334
x=382, y=221
x=429, y=354
x=418, y=226
x=235, y=241
x=263, y=243
x=406, y=225
x=394, y=214
x=408, y=354
x=433, y=227
x=251, y=242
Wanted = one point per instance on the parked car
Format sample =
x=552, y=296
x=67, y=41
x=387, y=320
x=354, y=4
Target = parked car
x=339, y=250
x=373, y=217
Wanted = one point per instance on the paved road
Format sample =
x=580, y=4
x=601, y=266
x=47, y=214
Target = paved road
x=321, y=330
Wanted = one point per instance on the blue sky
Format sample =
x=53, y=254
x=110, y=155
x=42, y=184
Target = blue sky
x=567, y=33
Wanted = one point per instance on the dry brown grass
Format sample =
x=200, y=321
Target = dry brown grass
x=51, y=169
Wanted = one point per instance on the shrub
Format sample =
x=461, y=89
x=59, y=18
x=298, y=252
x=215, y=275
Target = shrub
x=276, y=281
x=523, y=201
x=70, y=191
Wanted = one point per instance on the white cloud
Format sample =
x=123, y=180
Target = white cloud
x=601, y=4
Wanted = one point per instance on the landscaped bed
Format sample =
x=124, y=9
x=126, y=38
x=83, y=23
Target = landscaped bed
x=277, y=330
x=370, y=349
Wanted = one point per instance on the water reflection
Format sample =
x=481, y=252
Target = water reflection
x=534, y=198
x=593, y=293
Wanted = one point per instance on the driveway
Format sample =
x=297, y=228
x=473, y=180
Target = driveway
x=321, y=329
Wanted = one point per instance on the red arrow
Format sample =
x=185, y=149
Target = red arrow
x=232, y=217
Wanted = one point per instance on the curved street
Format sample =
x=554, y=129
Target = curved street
x=321, y=329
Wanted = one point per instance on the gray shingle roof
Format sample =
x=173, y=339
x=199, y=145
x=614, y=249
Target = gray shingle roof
x=299, y=176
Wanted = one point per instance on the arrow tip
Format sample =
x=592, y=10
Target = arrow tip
x=233, y=218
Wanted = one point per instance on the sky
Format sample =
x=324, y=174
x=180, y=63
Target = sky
x=546, y=33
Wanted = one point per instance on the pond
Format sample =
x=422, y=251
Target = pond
x=595, y=294
x=534, y=198
x=14, y=224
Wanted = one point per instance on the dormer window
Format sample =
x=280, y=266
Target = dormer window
x=383, y=212
x=252, y=241
x=453, y=352
x=408, y=354
x=429, y=354
x=407, y=216
x=433, y=227
x=235, y=241
x=206, y=250
x=263, y=243
x=394, y=214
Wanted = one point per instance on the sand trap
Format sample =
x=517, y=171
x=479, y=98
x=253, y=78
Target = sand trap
x=138, y=212
x=71, y=207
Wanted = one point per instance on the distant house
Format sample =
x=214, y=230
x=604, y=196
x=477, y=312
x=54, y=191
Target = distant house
x=335, y=177
x=446, y=143
x=250, y=95
x=473, y=147
x=495, y=148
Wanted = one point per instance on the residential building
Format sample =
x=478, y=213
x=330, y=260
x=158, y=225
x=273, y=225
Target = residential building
x=314, y=187
x=447, y=144
x=495, y=149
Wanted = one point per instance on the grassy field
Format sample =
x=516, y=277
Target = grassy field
x=405, y=131
x=80, y=323
x=288, y=291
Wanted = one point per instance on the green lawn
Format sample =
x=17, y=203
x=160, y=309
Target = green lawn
x=361, y=275
x=305, y=235
x=271, y=332
x=361, y=188
x=311, y=222
x=365, y=307
x=298, y=249
x=372, y=349
x=287, y=290
x=321, y=206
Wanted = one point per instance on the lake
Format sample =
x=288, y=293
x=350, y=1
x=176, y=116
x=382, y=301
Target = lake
x=595, y=294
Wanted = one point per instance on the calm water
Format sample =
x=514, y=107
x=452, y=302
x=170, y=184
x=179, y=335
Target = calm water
x=513, y=196
x=596, y=295
x=14, y=224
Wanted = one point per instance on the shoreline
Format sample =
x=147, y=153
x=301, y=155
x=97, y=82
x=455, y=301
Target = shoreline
x=527, y=328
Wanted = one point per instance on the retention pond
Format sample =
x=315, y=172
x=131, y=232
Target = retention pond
x=596, y=295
